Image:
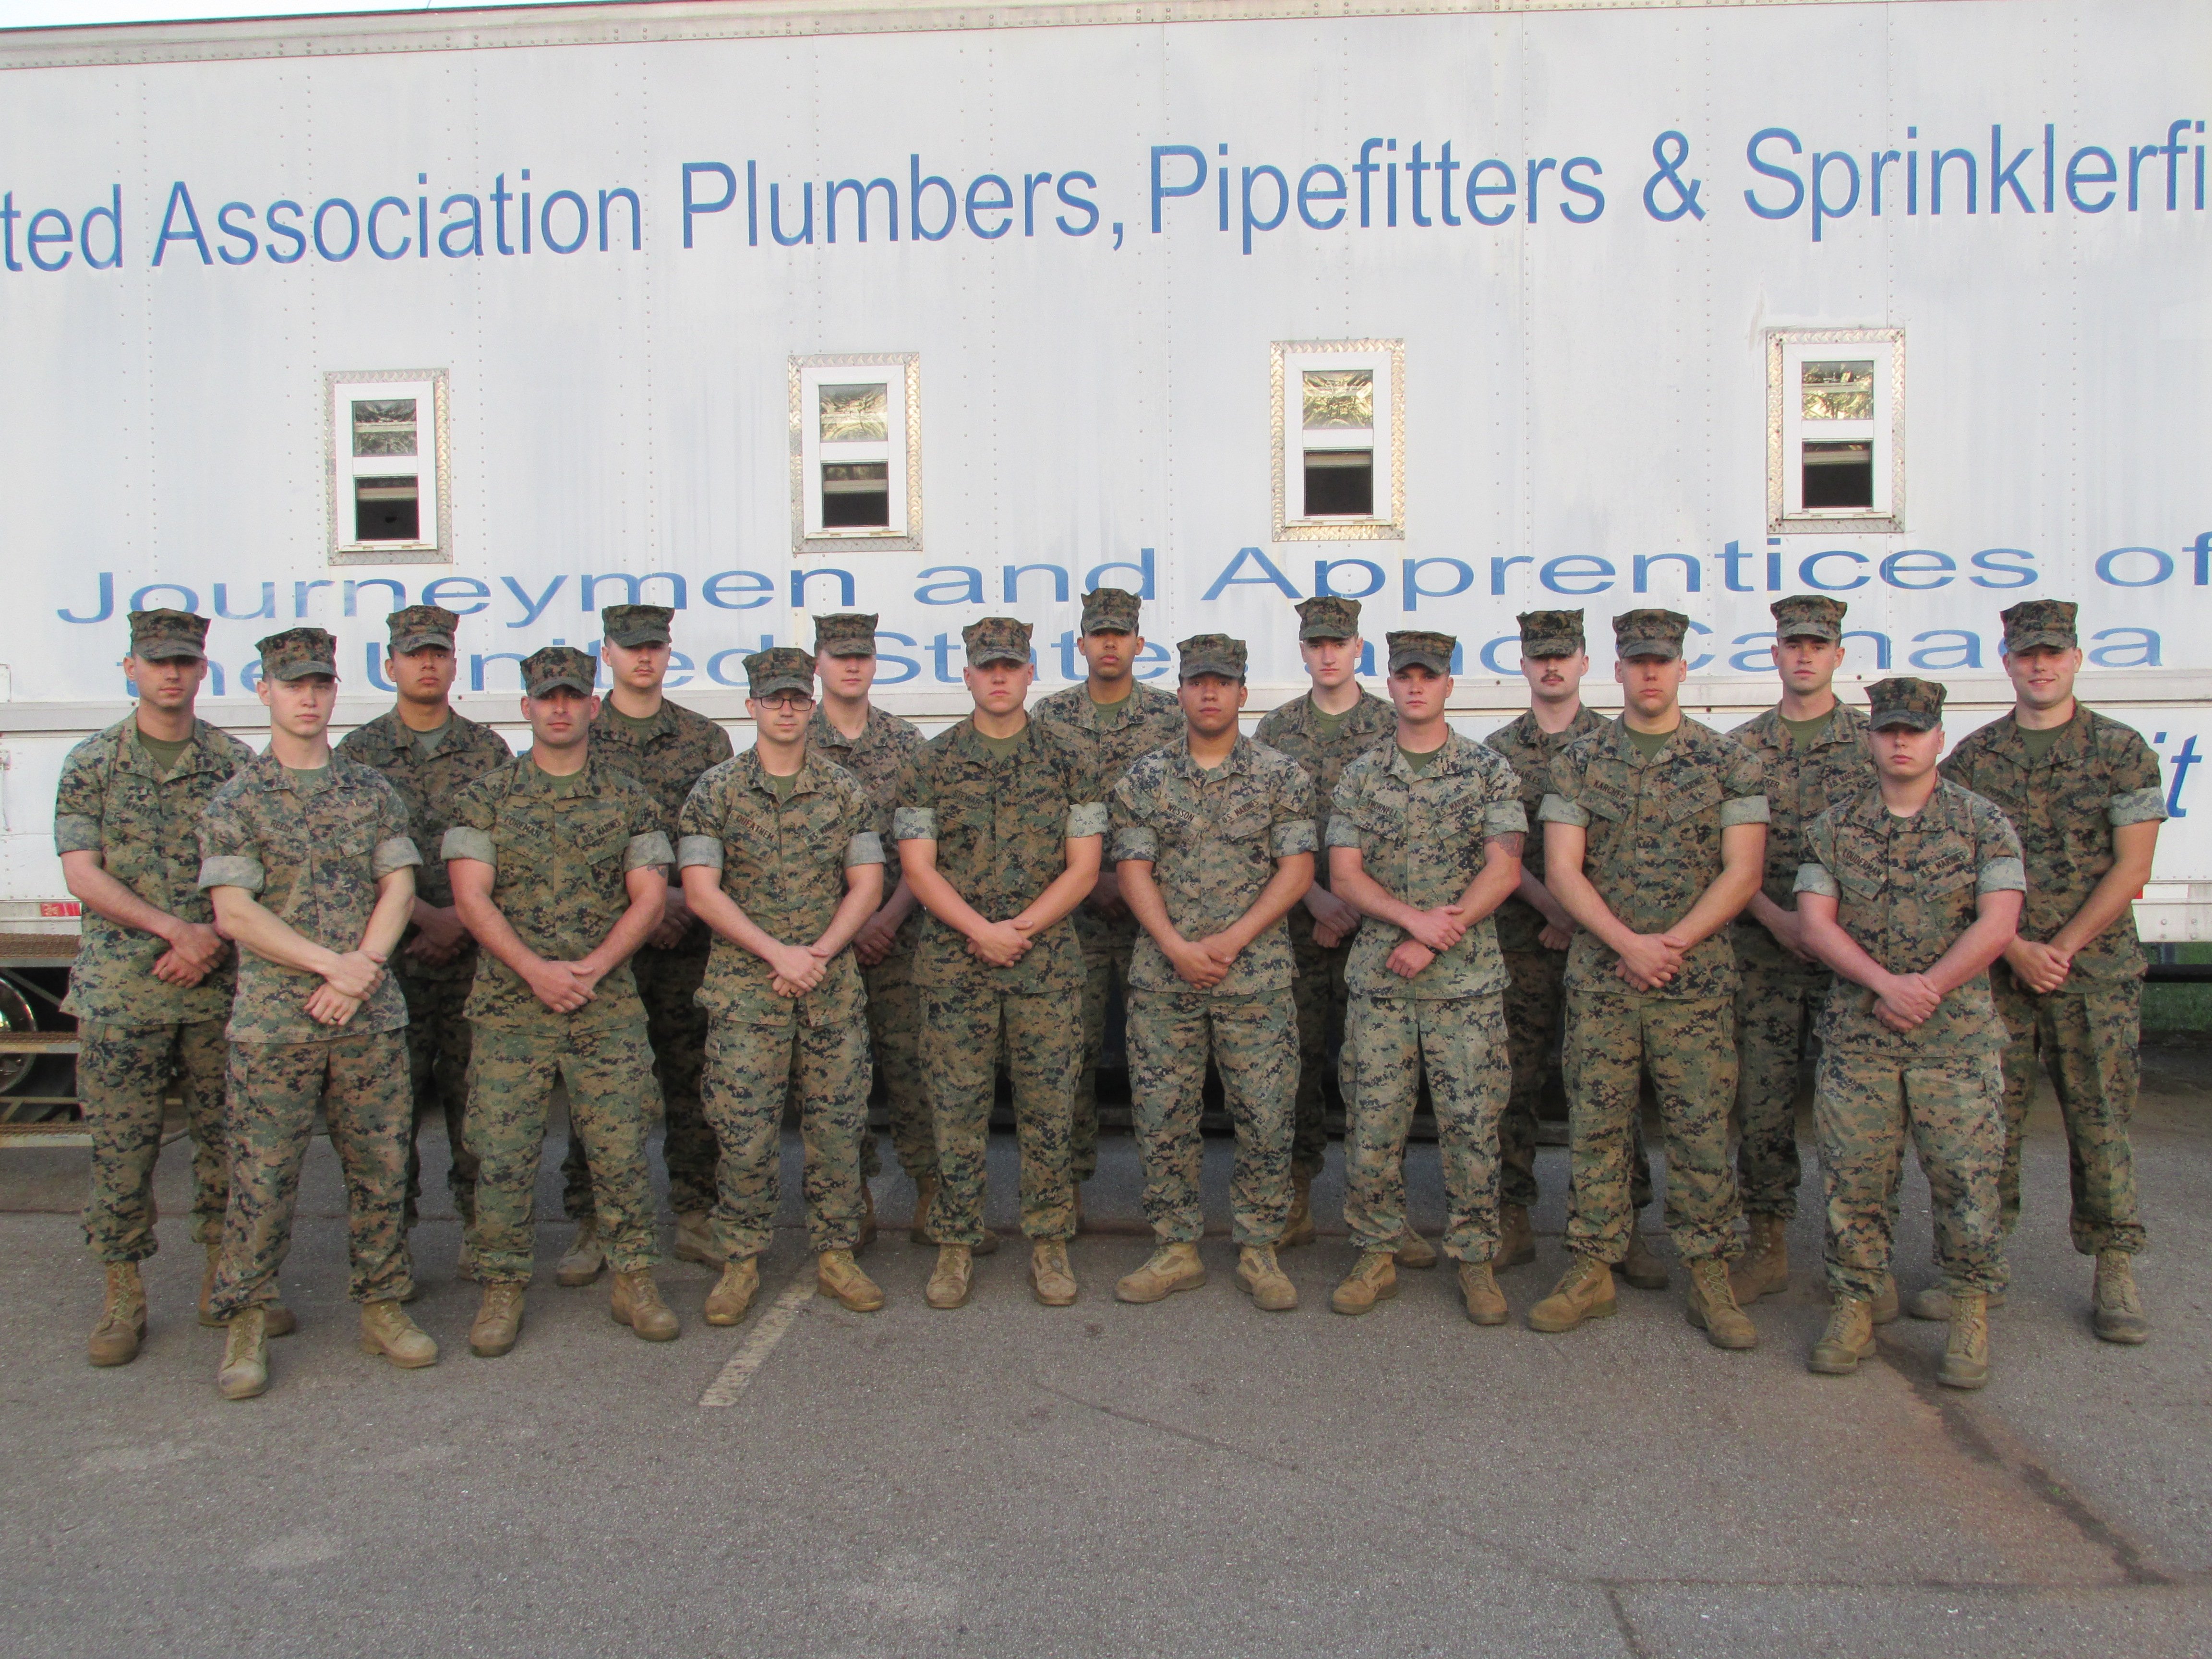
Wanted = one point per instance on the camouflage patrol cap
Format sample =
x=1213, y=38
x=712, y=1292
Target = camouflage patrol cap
x=419, y=625
x=297, y=653
x=1110, y=610
x=780, y=668
x=1328, y=616
x=167, y=635
x=1649, y=634
x=1417, y=649
x=1552, y=632
x=848, y=634
x=1213, y=653
x=1907, y=702
x=637, y=624
x=2035, y=624
x=1809, y=617
x=547, y=670
x=996, y=639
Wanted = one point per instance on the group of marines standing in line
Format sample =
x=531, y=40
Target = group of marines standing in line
x=424, y=921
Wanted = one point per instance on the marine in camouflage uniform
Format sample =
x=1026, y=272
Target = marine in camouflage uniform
x=1146, y=718
x=786, y=849
x=561, y=850
x=1536, y=998
x=1323, y=744
x=1905, y=890
x=311, y=852
x=1000, y=814
x=879, y=758
x=136, y=820
x=1209, y=840
x=1653, y=826
x=429, y=769
x=1425, y=827
x=1778, y=995
x=667, y=754
x=2095, y=777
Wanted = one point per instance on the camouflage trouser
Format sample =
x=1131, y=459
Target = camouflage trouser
x=667, y=983
x=1864, y=1105
x=1254, y=1042
x=1106, y=954
x=751, y=1070
x=895, y=1039
x=2086, y=1034
x=1318, y=990
x=964, y=1032
x=438, y=1069
x=1536, y=1010
x=1777, y=998
x=609, y=1070
x=360, y=1082
x=123, y=1072
x=1614, y=1035
x=1388, y=1042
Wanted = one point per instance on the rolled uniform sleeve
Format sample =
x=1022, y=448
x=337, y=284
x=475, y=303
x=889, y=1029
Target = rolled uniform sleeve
x=649, y=850
x=699, y=825
x=1745, y=790
x=865, y=846
x=2144, y=805
x=393, y=853
x=1559, y=809
x=1085, y=818
x=914, y=818
x=1344, y=812
x=698, y=852
x=230, y=855
x=74, y=832
x=80, y=801
x=1815, y=879
x=2000, y=866
x=466, y=840
x=1129, y=836
x=1505, y=817
x=1813, y=875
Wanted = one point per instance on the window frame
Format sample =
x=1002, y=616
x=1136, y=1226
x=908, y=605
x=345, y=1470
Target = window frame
x=432, y=461
x=902, y=373
x=1787, y=349
x=1387, y=359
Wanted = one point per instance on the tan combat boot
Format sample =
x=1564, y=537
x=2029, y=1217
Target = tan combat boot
x=838, y=1277
x=1299, y=1228
x=245, y=1371
x=499, y=1319
x=276, y=1316
x=1967, y=1356
x=2118, y=1316
x=867, y=1217
x=1640, y=1267
x=1261, y=1278
x=1848, y=1339
x=949, y=1281
x=1517, y=1237
x=122, y=1325
x=636, y=1302
x=694, y=1239
x=1584, y=1291
x=1712, y=1306
x=733, y=1293
x=1052, y=1281
x=1170, y=1268
x=1373, y=1279
x=1477, y=1289
x=386, y=1329
x=586, y=1259
x=1414, y=1251
x=925, y=1195
x=1885, y=1301
x=1934, y=1303
x=1764, y=1267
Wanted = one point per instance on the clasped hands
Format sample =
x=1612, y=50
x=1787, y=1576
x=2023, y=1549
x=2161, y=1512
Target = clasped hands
x=347, y=983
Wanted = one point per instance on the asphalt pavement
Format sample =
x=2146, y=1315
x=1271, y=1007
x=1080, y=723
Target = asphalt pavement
x=1191, y=1478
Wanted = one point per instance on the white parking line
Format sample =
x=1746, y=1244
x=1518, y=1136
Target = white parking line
x=748, y=1359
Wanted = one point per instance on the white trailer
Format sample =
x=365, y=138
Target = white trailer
x=764, y=308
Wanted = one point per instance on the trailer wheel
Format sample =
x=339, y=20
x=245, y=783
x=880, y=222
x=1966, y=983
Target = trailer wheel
x=15, y=1015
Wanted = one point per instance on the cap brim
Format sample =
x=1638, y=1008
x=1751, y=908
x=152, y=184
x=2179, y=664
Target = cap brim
x=560, y=683
x=1328, y=631
x=1554, y=647
x=300, y=670
x=1427, y=659
x=1826, y=635
x=2048, y=639
x=845, y=648
x=989, y=654
x=1227, y=671
x=407, y=642
x=1661, y=651
x=637, y=637
x=169, y=651
x=1907, y=718
x=783, y=682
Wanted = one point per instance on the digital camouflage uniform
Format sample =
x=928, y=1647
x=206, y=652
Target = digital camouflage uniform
x=2096, y=777
x=1905, y=890
x=137, y=1033
x=879, y=758
x=1001, y=826
x=1212, y=836
x=1147, y=719
x=312, y=859
x=674, y=754
x=429, y=769
x=1653, y=846
x=1779, y=997
x=783, y=862
x=1323, y=745
x=561, y=849
x=1421, y=836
